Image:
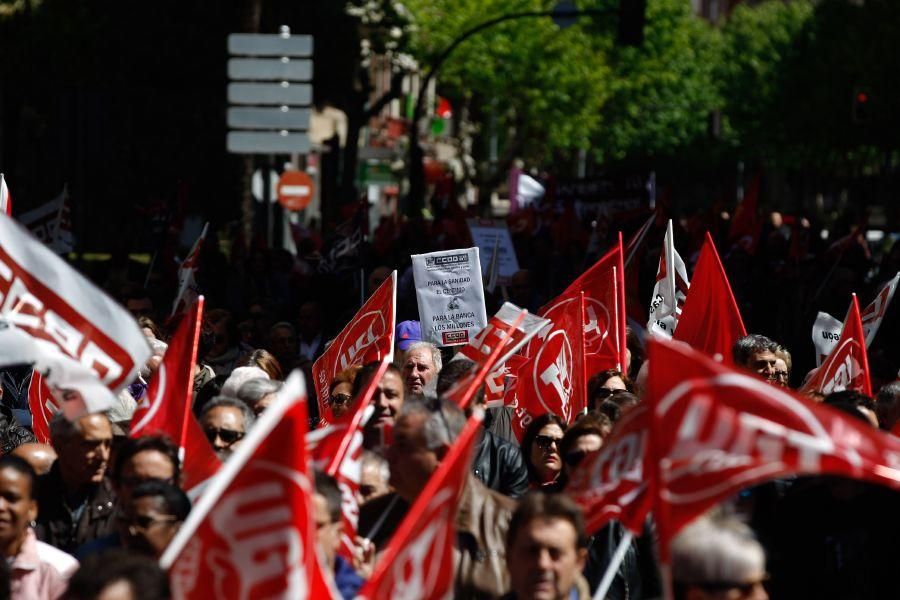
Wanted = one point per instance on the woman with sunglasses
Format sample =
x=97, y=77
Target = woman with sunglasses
x=340, y=392
x=540, y=447
x=605, y=384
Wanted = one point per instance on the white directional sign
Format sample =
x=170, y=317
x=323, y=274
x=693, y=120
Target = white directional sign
x=276, y=44
x=267, y=142
x=270, y=69
x=280, y=94
x=268, y=118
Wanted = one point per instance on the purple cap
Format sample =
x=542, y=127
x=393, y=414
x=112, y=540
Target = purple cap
x=407, y=332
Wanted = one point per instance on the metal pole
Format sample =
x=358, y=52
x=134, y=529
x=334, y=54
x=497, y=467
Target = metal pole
x=267, y=198
x=613, y=566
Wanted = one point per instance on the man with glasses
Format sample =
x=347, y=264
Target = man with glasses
x=144, y=459
x=152, y=516
x=77, y=502
x=226, y=421
x=718, y=558
x=758, y=354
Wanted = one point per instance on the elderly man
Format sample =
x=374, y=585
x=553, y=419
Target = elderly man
x=259, y=393
x=226, y=421
x=546, y=548
x=76, y=501
x=718, y=557
x=423, y=434
x=421, y=365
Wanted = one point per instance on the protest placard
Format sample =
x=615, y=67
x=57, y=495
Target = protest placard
x=450, y=295
x=488, y=234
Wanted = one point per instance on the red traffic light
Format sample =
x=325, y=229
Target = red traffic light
x=862, y=97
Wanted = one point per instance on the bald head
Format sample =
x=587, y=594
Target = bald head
x=39, y=456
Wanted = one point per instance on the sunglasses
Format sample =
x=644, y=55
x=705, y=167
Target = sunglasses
x=145, y=522
x=604, y=393
x=341, y=399
x=229, y=436
x=544, y=441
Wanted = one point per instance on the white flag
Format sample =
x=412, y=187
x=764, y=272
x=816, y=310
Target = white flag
x=530, y=190
x=826, y=330
x=83, y=343
x=670, y=290
x=5, y=198
x=187, y=276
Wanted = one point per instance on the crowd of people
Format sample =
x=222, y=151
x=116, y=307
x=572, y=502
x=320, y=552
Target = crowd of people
x=89, y=514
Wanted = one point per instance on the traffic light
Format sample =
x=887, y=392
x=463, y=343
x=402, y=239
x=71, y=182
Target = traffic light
x=632, y=14
x=862, y=106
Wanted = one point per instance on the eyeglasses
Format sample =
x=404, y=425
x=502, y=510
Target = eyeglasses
x=229, y=436
x=134, y=481
x=341, y=399
x=144, y=522
x=544, y=441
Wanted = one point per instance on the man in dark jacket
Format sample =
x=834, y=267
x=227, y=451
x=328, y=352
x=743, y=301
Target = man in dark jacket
x=498, y=463
x=76, y=502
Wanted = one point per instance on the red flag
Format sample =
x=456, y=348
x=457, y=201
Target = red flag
x=552, y=379
x=5, y=197
x=337, y=451
x=604, y=296
x=716, y=430
x=43, y=406
x=747, y=224
x=710, y=321
x=253, y=532
x=617, y=481
x=187, y=276
x=847, y=365
x=418, y=562
x=166, y=408
x=369, y=336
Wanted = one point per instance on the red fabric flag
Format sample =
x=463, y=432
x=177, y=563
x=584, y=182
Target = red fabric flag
x=5, y=197
x=604, y=296
x=617, y=482
x=253, y=532
x=368, y=337
x=337, y=451
x=418, y=562
x=710, y=320
x=716, y=430
x=166, y=408
x=847, y=365
x=552, y=379
x=746, y=225
x=43, y=406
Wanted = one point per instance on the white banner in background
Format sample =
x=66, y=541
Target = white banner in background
x=488, y=233
x=450, y=296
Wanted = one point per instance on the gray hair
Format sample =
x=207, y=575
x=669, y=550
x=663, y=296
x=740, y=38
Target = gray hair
x=715, y=549
x=444, y=418
x=62, y=428
x=254, y=390
x=747, y=346
x=220, y=401
x=371, y=459
x=239, y=377
x=435, y=353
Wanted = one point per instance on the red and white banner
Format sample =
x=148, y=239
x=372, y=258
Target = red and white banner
x=553, y=378
x=166, y=407
x=253, y=532
x=337, y=450
x=827, y=330
x=847, y=366
x=51, y=223
x=616, y=483
x=710, y=321
x=671, y=289
x=5, y=197
x=43, y=406
x=418, y=561
x=368, y=337
x=82, y=341
x=716, y=430
x=604, y=308
x=187, y=276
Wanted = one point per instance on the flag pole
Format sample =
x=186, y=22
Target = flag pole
x=613, y=566
x=584, y=378
x=189, y=392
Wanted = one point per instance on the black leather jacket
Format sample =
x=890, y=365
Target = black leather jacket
x=499, y=465
x=638, y=575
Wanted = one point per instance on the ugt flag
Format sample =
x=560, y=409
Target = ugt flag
x=253, y=532
x=670, y=290
x=847, y=365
